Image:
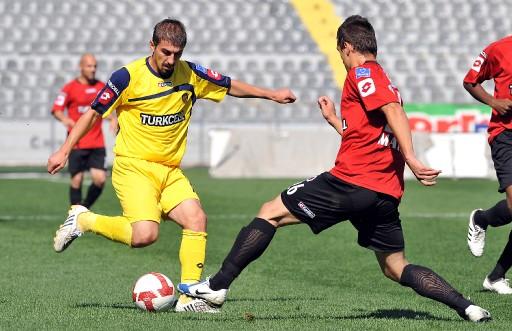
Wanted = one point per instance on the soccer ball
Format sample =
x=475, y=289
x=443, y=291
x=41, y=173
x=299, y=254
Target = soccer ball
x=154, y=292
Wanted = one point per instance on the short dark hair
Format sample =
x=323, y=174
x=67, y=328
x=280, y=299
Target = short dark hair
x=170, y=30
x=357, y=31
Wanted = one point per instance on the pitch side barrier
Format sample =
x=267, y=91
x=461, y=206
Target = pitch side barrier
x=449, y=137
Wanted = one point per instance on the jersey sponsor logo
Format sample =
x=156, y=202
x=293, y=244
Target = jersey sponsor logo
x=162, y=120
x=477, y=64
x=164, y=84
x=306, y=209
x=91, y=90
x=113, y=87
x=214, y=74
x=387, y=138
x=366, y=87
x=106, y=96
x=362, y=72
x=60, y=100
x=82, y=109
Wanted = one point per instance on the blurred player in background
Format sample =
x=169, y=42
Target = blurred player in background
x=153, y=98
x=365, y=186
x=89, y=152
x=494, y=62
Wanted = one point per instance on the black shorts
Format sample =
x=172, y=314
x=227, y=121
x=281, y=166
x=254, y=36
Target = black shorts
x=501, y=151
x=84, y=159
x=326, y=200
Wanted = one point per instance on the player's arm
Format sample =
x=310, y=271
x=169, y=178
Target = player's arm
x=329, y=113
x=63, y=118
x=243, y=90
x=399, y=124
x=58, y=159
x=502, y=106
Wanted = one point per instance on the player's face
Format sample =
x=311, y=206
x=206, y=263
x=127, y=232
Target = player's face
x=88, y=68
x=165, y=56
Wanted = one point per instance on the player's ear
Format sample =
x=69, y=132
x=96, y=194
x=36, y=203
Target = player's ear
x=152, y=45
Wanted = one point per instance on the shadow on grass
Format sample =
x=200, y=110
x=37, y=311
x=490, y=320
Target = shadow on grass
x=278, y=299
x=386, y=314
x=102, y=305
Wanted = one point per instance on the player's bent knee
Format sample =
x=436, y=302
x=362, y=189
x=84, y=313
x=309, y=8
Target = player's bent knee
x=143, y=240
x=144, y=236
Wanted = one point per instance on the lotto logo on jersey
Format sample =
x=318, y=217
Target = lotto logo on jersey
x=214, y=74
x=106, y=96
x=366, y=87
x=477, y=64
x=61, y=99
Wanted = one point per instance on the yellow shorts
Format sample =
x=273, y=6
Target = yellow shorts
x=148, y=189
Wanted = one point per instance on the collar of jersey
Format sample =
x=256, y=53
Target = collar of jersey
x=152, y=70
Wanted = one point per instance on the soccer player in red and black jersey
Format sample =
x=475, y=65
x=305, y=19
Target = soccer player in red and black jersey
x=89, y=153
x=365, y=186
x=494, y=63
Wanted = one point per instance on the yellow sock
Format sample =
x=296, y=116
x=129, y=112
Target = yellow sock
x=192, y=255
x=116, y=228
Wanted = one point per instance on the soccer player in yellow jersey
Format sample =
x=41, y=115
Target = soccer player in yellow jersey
x=153, y=98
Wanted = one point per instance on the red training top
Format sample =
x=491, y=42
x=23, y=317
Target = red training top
x=494, y=62
x=369, y=154
x=76, y=98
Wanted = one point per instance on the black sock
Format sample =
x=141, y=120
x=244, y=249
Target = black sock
x=75, y=195
x=250, y=243
x=496, y=216
x=92, y=195
x=427, y=283
x=504, y=262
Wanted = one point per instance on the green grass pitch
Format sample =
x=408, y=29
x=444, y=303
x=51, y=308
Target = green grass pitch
x=303, y=281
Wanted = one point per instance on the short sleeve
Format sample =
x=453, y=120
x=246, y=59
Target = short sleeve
x=210, y=84
x=373, y=87
x=481, y=69
x=109, y=97
x=62, y=100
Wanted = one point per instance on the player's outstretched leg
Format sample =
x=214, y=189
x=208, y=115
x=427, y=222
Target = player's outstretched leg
x=427, y=283
x=69, y=230
x=250, y=243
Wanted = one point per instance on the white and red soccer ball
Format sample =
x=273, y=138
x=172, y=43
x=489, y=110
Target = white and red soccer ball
x=154, y=292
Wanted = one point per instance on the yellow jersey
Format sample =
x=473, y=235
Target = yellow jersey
x=153, y=112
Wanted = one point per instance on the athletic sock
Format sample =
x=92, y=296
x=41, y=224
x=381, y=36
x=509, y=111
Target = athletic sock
x=192, y=255
x=495, y=216
x=427, y=283
x=250, y=243
x=504, y=262
x=92, y=195
x=75, y=195
x=116, y=228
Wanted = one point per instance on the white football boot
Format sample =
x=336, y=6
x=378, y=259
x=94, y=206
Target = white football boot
x=68, y=231
x=476, y=236
x=202, y=290
x=477, y=314
x=500, y=286
x=189, y=304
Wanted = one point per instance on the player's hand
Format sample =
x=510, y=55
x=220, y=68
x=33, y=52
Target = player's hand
x=283, y=95
x=425, y=175
x=327, y=107
x=502, y=106
x=56, y=162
